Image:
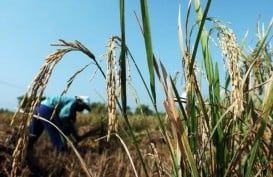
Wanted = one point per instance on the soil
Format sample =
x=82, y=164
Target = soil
x=102, y=158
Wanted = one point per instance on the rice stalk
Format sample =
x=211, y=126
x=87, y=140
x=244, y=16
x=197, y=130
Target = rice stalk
x=152, y=64
x=123, y=81
x=193, y=90
x=122, y=59
x=125, y=148
x=148, y=45
x=118, y=41
x=201, y=130
x=195, y=125
x=137, y=68
x=83, y=164
x=258, y=65
x=157, y=161
x=128, y=153
x=201, y=18
x=177, y=127
x=266, y=111
x=184, y=48
x=160, y=77
x=231, y=51
x=69, y=82
x=35, y=92
x=263, y=65
x=111, y=81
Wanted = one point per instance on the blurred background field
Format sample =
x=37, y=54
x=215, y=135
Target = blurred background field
x=104, y=158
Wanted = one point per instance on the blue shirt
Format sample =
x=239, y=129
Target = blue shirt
x=66, y=105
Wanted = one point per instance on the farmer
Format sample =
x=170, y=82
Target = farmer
x=64, y=118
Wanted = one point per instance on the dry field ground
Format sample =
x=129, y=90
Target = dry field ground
x=103, y=158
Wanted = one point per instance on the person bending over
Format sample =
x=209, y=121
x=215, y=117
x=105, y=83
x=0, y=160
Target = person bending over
x=64, y=118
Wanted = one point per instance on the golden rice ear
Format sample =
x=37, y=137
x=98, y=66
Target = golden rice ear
x=112, y=84
x=35, y=92
x=231, y=51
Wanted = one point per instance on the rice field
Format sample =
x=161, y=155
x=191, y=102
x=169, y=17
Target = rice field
x=224, y=128
x=102, y=157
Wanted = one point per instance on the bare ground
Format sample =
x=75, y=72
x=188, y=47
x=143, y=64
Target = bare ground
x=102, y=158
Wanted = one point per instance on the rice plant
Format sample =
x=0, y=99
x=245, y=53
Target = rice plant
x=222, y=134
x=222, y=130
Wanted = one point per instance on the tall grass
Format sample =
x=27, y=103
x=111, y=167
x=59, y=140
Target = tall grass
x=225, y=127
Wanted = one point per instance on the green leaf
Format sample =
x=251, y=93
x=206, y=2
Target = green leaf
x=148, y=45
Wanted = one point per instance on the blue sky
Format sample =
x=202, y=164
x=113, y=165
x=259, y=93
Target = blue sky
x=27, y=28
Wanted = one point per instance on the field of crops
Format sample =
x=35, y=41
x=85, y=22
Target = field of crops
x=222, y=127
x=101, y=157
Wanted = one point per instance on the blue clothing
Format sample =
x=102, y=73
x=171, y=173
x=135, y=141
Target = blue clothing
x=65, y=105
x=64, y=119
x=37, y=126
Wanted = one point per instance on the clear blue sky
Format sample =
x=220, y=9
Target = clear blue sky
x=27, y=28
